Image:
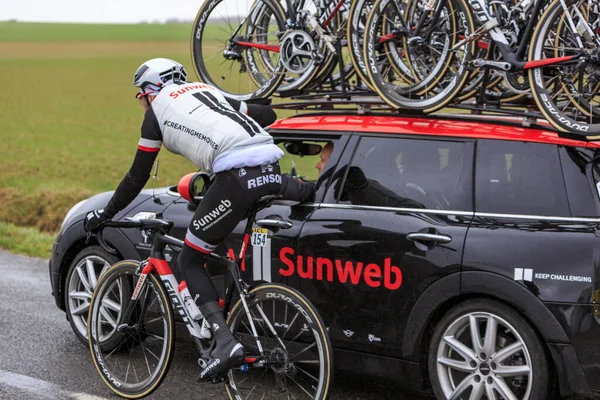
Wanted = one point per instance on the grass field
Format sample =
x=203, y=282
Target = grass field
x=69, y=122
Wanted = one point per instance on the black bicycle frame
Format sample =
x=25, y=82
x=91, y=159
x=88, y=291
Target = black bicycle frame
x=162, y=240
x=515, y=58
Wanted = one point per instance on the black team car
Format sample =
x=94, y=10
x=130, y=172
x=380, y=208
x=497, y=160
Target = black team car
x=456, y=254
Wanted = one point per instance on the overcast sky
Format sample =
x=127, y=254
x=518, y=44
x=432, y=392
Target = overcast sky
x=115, y=11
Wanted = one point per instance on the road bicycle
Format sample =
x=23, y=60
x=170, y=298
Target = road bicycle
x=131, y=323
x=437, y=39
x=270, y=46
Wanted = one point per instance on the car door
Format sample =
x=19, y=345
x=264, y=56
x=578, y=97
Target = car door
x=531, y=225
x=536, y=223
x=262, y=263
x=392, y=222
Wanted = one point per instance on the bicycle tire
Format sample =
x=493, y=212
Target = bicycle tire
x=127, y=270
x=279, y=363
x=546, y=100
x=264, y=86
x=355, y=37
x=433, y=97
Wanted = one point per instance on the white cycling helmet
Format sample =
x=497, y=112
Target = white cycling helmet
x=154, y=74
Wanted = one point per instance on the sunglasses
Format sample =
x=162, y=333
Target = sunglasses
x=140, y=95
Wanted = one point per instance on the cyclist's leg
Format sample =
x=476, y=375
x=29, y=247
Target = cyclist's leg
x=227, y=201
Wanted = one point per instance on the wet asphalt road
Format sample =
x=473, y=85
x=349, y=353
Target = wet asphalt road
x=40, y=357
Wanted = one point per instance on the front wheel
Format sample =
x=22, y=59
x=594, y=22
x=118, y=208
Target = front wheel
x=418, y=38
x=291, y=357
x=482, y=349
x=131, y=341
x=235, y=46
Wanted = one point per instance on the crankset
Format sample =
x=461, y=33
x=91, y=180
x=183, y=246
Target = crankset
x=298, y=51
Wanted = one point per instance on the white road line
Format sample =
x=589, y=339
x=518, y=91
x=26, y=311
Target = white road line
x=41, y=388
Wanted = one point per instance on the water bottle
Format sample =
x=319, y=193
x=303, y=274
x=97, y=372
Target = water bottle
x=195, y=313
x=190, y=304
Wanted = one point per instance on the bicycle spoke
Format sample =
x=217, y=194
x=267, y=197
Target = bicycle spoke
x=310, y=346
x=309, y=375
x=301, y=387
x=290, y=325
x=145, y=357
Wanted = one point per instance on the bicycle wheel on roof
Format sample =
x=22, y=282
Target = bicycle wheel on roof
x=235, y=46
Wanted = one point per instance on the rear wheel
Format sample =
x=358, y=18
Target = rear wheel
x=296, y=360
x=483, y=349
x=131, y=354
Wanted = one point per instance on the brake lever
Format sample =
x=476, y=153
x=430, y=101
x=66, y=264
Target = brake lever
x=102, y=243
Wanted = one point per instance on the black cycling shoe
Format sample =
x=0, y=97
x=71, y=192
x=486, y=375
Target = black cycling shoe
x=223, y=358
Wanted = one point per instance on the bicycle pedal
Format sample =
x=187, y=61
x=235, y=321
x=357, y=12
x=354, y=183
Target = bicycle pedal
x=202, y=363
x=214, y=380
x=219, y=379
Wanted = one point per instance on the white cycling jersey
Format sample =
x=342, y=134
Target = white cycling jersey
x=195, y=120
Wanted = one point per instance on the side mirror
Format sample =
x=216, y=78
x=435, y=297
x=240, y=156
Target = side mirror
x=302, y=148
x=194, y=185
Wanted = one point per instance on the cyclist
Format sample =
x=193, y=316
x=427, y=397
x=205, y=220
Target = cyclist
x=219, y=135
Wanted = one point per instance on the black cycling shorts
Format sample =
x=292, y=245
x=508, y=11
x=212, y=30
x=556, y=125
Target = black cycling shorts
x=228, y=200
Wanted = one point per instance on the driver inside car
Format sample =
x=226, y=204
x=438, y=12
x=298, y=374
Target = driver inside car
x=358, y=189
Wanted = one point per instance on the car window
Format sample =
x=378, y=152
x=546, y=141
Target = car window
x=413, y=173
x=519, y=178
x=307, y=158
x=580, y=192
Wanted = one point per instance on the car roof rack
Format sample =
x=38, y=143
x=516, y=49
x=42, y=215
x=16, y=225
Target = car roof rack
x=368, y=103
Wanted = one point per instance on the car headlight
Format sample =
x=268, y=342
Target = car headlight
x=71, y=212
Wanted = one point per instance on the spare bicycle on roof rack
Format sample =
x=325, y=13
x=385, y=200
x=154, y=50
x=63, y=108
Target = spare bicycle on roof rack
x=537, y=59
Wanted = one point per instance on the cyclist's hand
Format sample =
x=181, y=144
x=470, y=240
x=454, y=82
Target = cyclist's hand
x=356, y=179
x=94, y=220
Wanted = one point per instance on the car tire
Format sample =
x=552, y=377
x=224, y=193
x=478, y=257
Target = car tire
x=78, y=288
x=457, y=365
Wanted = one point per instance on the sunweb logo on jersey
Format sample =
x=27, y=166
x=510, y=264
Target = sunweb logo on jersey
x=213, y=216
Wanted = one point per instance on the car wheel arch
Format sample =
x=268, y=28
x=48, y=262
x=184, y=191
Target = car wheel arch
x=70, y=255
x=115, y=238
x=451, y=290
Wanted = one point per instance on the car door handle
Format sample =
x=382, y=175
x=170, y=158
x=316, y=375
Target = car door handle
x=275, y=223
x=428, y=237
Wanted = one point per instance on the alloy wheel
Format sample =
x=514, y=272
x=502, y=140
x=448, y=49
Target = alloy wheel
x=482, y=356
x=82, y=283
